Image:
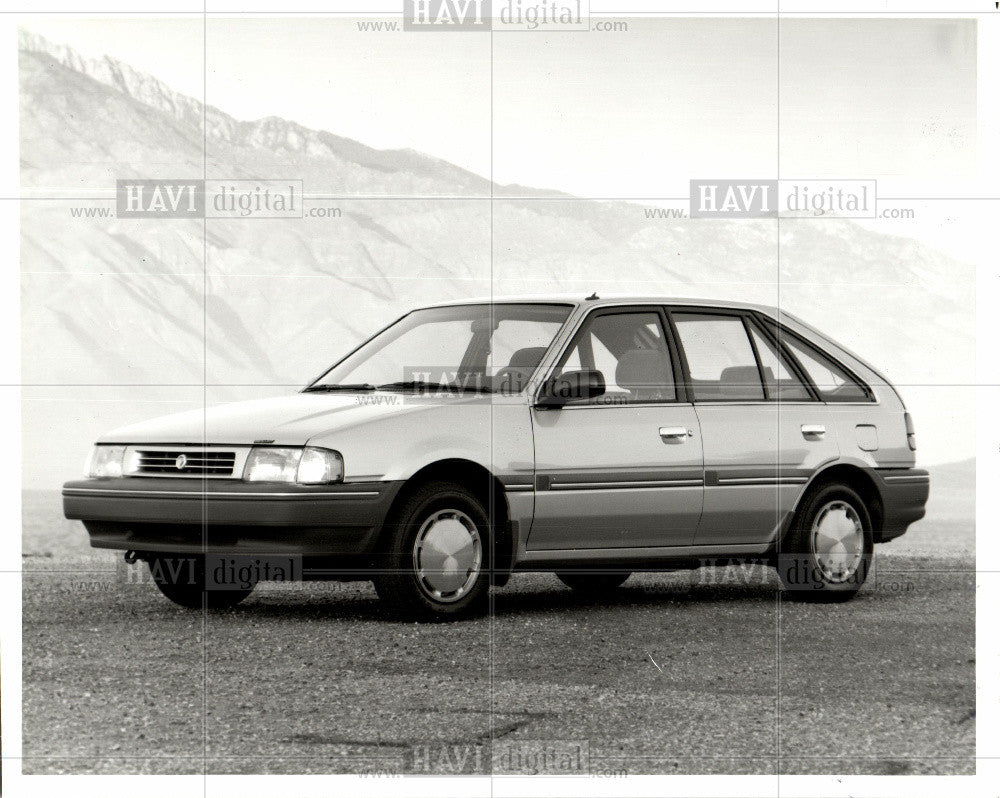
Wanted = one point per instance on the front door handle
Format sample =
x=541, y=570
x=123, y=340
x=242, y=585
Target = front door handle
x=675, y=433
x=813, y=430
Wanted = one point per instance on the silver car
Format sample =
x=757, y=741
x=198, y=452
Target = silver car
x=588, y=437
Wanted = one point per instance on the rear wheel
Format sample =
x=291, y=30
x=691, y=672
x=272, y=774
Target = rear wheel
x=594, y=583
x=828, y=550
x=181, y=578
x=437, y=561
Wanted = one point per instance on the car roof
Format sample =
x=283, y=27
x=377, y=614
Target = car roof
x=607, y=299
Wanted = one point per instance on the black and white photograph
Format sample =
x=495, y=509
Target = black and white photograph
x=500, y=398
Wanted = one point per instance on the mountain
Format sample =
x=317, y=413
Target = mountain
x=125, y=301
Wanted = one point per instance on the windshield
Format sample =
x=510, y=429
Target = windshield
x=464, y=348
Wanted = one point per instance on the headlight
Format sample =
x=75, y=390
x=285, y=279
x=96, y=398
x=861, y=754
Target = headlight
x=105, y=461
x=272, y=465
x=319, y=466
x=311, y=465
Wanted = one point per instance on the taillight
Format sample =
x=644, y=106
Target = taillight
x=911, y=435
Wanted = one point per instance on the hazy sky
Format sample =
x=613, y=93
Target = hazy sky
x=626, y=114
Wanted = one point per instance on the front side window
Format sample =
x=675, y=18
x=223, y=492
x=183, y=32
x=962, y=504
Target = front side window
x=482, y=348
x=630, y=351
x=719, y=356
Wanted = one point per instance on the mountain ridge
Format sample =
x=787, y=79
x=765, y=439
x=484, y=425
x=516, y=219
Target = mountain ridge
x=269, y=303
x=270, y=132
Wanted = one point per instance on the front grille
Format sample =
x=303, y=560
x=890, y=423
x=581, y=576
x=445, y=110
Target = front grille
x=186, y=463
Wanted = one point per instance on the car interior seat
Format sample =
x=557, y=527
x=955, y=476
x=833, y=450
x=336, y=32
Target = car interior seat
x=513, y=377
x=743, y=382
x=646, y=375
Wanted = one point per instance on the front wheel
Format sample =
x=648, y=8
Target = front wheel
x=437, y=561
x=828, y=551
x=182, y=579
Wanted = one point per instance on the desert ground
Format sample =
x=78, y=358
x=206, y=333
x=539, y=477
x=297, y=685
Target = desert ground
x=711, y=671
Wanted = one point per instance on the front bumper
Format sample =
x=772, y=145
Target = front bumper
x=229, y=516
x=904, y=493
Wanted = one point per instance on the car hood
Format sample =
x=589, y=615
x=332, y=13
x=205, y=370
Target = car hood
x=284, y=420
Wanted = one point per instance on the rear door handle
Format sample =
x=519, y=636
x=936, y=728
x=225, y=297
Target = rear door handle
x=675, y=433
x=813, y=430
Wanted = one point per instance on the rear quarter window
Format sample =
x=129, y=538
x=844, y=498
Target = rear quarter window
x=832, y=381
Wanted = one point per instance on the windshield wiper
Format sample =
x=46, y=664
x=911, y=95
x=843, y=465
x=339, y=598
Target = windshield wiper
x=424, y=385
x=473, y=389
x=404, y=385
x=356, y=386
x=413, y=385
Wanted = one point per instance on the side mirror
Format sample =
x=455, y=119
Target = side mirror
x=569, y=386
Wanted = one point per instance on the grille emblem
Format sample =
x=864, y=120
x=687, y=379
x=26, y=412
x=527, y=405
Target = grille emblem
x=181, y=461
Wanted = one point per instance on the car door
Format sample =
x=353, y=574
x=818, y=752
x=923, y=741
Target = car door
x=622, y=470
x=763, y=429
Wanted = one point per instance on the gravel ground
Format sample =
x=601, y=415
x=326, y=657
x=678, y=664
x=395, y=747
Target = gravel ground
x=696, y=672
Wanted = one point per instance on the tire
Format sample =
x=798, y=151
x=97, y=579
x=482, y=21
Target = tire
x=828, y=551
x=583, y=582
x=437, y=557
x=181, y=578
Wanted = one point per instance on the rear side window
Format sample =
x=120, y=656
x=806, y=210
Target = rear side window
x=719, y=356
x=831, y=380
x=779, y=381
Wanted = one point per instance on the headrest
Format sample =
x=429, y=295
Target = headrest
x=643, y=368
x=527, y=358
x=743, y=380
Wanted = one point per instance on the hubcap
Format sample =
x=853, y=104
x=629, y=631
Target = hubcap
x=838, y=541
x=447, y=555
